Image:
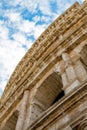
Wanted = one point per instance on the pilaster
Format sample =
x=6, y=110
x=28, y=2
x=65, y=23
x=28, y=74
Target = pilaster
x=69, y=76
x=80, y=70
x=21, y=117
x=62, y=72
x=29, y=113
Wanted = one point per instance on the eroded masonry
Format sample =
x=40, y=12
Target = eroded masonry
x=48, y=89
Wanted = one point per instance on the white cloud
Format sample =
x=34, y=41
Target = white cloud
x=43, y=5
x=43, y=18
x=26, y=26
x=19, y=37
x=30, y=28
x=3, y=32
x=13, y=16
x=36, y=18
x=10, y=54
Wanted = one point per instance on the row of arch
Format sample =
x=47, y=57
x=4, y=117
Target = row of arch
x=49, y=92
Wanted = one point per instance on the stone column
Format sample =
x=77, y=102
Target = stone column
x=62, y=72
x=21, y=117
x=73, y=81
x=69, y=68
x=28, y=115
x=80, y=70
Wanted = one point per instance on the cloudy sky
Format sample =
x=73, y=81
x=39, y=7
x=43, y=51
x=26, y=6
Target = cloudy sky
x=21, y=22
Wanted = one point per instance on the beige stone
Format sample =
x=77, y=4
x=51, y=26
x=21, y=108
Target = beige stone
x=48, y=88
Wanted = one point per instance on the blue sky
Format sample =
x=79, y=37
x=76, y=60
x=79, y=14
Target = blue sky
x=21, y=23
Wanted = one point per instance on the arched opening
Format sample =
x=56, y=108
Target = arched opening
x=11, y=122
x=49, y=92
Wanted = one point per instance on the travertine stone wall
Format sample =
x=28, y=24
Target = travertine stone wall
x=56, y=62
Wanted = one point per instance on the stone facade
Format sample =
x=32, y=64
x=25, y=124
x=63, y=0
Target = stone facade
x=48, y=89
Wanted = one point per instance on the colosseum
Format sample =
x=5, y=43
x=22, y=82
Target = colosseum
x=48, y=88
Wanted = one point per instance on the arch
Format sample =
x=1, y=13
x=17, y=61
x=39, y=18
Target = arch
x=11, y=122
x=49, y=89
x=49, y=92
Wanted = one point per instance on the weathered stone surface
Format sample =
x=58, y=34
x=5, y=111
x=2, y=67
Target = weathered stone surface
x=48, y=89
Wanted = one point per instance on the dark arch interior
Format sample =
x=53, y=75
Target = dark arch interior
x=59, y=96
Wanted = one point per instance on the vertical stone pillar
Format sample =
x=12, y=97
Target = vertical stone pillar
x=63, y=75
x=70, y=73
x=21, y=117
x=28, y=115
x=69, y=68
x=80, y=70
x=80, y=67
